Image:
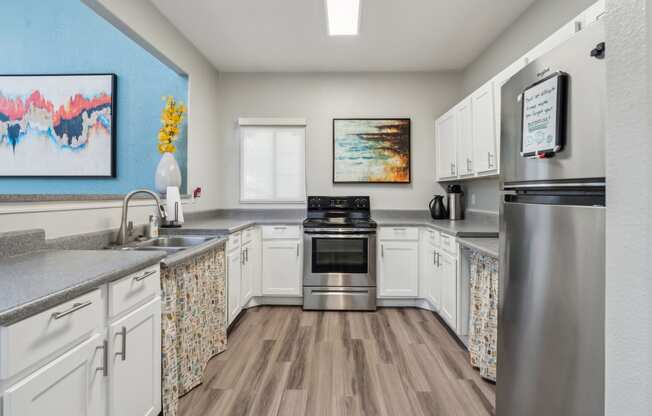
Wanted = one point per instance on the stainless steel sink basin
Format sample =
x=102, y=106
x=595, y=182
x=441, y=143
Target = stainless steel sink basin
x=169, y=243
x=175, y=241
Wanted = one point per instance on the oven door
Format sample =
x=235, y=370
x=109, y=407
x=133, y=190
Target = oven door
x=340, y=259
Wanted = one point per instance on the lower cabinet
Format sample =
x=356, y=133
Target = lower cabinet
x=70, y=385
x=429, y=279
x=282, y=268
x=399, y=271
x=448, y=277
x=134, y=363
x=91, y=358
x=234, y=279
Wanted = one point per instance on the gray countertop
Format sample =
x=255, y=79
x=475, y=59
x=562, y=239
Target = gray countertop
x=35, y=281
x=485, y=245
x=474, y=225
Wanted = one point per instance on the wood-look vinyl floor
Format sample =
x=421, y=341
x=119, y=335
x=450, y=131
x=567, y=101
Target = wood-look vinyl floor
x=288, y=362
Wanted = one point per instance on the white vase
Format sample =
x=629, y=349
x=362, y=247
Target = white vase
x=167, y=173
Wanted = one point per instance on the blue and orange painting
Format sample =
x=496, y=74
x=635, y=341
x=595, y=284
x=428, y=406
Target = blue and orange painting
x=56, y=125
x=371, y=150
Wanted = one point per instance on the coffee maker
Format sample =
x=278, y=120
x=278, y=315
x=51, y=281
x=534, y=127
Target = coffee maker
x=455, y=202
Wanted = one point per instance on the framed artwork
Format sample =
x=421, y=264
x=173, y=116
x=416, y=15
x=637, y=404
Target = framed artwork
x=57, y=125
x=371, y=150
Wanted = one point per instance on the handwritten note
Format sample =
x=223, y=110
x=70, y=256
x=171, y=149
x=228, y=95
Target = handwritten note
x=540, y=117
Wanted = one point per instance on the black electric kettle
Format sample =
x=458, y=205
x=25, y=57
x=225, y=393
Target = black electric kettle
x=437, y=208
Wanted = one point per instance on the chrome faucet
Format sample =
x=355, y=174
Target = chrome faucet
x=122, y=233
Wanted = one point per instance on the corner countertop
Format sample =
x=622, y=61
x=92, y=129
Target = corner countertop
x=489, y=246
x=232, y=221
x=475, y=224
x=35, y=281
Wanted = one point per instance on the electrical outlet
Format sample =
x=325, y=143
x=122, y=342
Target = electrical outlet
x=472, y=199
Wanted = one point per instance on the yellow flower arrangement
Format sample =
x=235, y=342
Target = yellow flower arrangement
x=171, y=118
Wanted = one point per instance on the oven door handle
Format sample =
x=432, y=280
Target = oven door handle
x=356, y=235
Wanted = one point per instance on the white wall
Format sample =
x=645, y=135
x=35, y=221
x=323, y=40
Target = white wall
x=140, y=20
x=537, y=23
x=321, y=97
x=629, y=198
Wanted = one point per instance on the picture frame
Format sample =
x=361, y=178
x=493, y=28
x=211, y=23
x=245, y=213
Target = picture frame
x=63, y=124
x=371, y=151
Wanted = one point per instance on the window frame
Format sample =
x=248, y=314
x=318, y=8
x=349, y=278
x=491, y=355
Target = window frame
x=272, y=123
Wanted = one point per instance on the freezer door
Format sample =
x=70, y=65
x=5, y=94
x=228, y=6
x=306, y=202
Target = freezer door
x=551, y=311
x=583, y=156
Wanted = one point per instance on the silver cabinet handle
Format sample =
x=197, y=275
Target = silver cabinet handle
x=297, y=249
x=434, y=257
x=247, y=255
x=123, y=334
x=452, y=173
x=438, y=264
x=489, y=159
x=144, y=275
x=400, y=229
x=242, y=257
x=105, y=358
x=382, y=250
x=75, y=307
x=469, y=165
x=280, y=228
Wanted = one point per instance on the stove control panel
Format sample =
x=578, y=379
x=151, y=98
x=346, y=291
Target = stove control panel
x=348, y=203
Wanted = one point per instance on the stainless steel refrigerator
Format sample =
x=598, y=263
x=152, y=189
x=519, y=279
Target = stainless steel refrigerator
x=552, y=233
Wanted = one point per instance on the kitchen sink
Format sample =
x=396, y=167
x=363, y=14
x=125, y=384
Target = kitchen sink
x=169, y=243
x=175, y=241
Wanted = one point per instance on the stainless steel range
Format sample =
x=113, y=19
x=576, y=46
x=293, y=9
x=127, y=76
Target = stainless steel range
x=340, y=254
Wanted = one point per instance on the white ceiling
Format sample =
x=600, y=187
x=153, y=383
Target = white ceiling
x=291, y=35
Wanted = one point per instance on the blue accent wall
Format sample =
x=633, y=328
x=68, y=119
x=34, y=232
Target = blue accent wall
x=65, y=36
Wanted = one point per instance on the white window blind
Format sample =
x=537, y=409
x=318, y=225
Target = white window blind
x=272, y=161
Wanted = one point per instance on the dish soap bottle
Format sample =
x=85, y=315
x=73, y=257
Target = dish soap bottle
x=152, y=229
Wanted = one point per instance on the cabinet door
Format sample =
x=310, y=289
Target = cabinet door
x=253, y=264
x=234, y=278
x=428, y=284
x=446, y=138
x=399, y=270
x=135, y=362
x=247, y=275
x=71, y=385
x=464, y=119
x=282, y=268
x=484, y=130
x=448, y=273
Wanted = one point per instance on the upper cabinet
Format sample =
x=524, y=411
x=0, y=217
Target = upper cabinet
x=467, y=137
x=485, y=158
x=446, y=132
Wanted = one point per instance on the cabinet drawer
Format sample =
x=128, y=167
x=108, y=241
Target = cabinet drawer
x=33, y=339
x=129, y=291
x=272, y=232
x=399, y=233
x=248, y=235
x=431, y=236
x=234, y=241
x=448, y=243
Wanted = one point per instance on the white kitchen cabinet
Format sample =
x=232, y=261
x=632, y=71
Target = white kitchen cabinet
x=448, y=274
x=70, y=385
x=464, y=121
x=251, y=267
x=282, y=271
x=234, y=261
x=135, y=362
x=446, y=143
x=485, y=158
x=399, y=269
x=429, y=286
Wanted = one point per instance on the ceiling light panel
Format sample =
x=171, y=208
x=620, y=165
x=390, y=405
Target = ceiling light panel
x=343, y=17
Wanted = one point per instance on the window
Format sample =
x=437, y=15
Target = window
x=272, y=160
